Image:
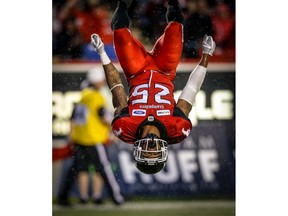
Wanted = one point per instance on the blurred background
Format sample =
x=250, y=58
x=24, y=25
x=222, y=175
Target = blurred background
x=203, y=165
x=74, y=21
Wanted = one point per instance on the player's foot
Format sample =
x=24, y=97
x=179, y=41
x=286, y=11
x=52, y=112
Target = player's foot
x=64, y=202
x=98, y=201
x=127, y=2
x=83, y=201
x=119, y=200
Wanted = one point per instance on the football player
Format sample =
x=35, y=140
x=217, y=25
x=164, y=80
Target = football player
x=151, y=119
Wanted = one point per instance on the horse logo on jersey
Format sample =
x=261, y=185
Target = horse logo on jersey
x=117, y=133
x=186, y=132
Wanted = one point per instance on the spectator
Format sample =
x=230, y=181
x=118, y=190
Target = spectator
x=90, y=16
x=89, y=131
x=223, y=21
x=68, y=43
x=196, y=26
x=148, y=22
x=151, y=19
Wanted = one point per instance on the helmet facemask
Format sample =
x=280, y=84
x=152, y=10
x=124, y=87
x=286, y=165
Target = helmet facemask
x=150, y=150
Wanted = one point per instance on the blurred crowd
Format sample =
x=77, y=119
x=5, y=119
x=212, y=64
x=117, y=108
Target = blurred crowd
x=75, y=20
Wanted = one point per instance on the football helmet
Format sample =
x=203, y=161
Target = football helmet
x=150, y=154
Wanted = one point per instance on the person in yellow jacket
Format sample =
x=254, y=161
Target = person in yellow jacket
x=90, y=130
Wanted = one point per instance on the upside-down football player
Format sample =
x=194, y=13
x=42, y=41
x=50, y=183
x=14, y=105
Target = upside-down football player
x=151, y=119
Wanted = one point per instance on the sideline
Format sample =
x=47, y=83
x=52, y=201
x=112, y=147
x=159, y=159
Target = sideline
x=141, y=205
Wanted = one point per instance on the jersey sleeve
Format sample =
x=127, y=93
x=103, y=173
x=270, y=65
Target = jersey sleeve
x=178, y=127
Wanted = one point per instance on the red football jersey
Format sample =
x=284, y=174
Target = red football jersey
x=150, y=75
x=151, y=102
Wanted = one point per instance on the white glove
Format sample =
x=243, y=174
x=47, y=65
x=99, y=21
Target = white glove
x=97, y=43
x=208, y=45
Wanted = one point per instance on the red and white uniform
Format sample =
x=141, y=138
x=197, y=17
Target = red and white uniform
x=150, y=76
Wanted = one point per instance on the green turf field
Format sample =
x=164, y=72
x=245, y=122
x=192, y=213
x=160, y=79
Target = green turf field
x=151, y=208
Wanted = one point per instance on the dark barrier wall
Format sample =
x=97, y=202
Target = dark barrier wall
x=202, y=165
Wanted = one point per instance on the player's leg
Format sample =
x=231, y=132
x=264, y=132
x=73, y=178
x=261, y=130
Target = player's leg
x=174, y=12
x=83, y=183
x=120, y=18
x=130, y=52
x=65, y=187
x=97, y=185
x=71, y=176
x=82, y=162
x=103, y=166
x=167, y=50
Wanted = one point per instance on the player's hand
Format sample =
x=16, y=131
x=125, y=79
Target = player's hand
x=97, y=43
x=208, y=45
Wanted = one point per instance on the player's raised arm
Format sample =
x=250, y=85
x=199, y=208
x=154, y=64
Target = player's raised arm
x=113, y=78
x=197, y=77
